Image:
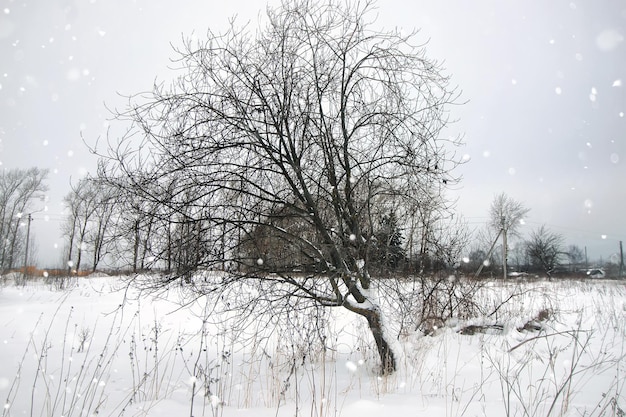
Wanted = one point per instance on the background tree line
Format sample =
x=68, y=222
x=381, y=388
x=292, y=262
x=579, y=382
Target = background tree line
x=104, y=229
x=19, y=189
x=129, y=234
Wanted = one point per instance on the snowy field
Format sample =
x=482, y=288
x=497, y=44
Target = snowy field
x=101, y=349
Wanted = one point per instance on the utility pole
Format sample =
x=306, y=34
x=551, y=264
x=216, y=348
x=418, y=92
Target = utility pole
x=30, y=218
x=493, y=245
x=504, y=248
x=621, y=259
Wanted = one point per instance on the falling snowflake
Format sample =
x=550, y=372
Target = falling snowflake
x=215, y=401
x=609, y=39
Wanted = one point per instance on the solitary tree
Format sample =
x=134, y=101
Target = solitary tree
x=545, y=249
x=300, y=133
x=506, y=213
x=505, y=217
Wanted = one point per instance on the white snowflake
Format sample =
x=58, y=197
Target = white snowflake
x=609, y=39
x=351, y=366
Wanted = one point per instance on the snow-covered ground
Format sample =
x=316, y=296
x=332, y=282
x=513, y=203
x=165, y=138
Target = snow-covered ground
x=101, y=349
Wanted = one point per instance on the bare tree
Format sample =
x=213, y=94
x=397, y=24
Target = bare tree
x=81, y=203
x=545, y=249
x=98, y=237
x=304, y=132
x=435, y=234
x=482, y=255
x=576, y=257
x=505, y=216
x=18, y=189
x=519, y=256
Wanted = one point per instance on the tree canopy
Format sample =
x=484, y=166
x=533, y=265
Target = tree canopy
x=276, y=150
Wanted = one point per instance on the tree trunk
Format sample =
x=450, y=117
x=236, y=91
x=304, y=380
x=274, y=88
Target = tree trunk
x=79, y=256
x=387, y=358
x=385, y=352
x=136, y=245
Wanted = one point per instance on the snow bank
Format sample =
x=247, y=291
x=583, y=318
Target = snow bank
x=101, y=348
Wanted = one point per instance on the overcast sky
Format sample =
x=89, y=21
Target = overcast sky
x=545, y=83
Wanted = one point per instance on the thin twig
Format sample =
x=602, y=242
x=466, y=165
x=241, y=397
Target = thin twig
x=545, y=336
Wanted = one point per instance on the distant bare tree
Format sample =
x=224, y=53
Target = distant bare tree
x=451, y=239
x=303, y=133
x=507, y=214
x=98, y=238
x=435, y=235
x=133, y=230
x=576, y=256
x=81, y=204
x=519, y=256
x=545, y=248
x=18, y=189
x=505, y=218
x=484, y=239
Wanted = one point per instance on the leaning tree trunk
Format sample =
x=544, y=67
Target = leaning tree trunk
x=387, y=358
x=374, y=320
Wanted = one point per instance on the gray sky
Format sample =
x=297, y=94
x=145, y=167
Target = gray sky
x=545, y=82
